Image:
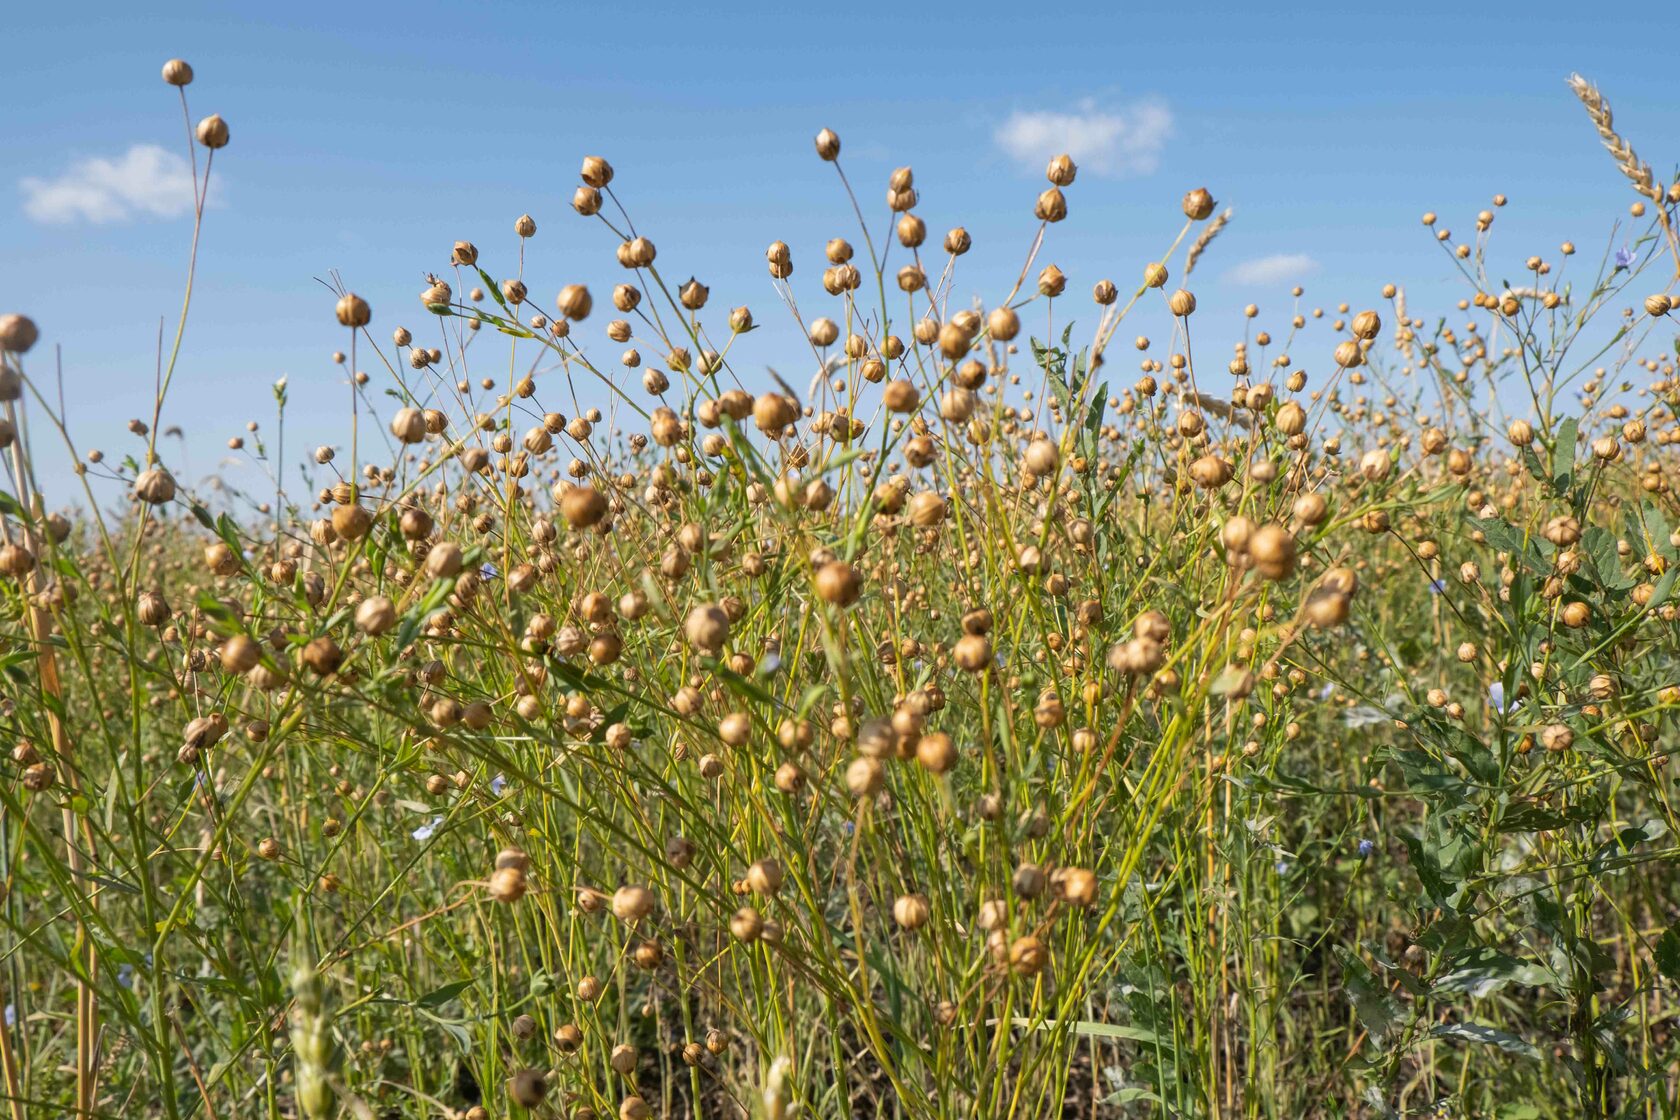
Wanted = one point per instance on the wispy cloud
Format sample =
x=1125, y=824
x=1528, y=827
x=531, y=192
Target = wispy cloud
x=144, y=182
x=1110, y=140
x=1274, y=269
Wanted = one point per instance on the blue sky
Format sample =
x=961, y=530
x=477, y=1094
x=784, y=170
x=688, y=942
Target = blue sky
x=368, y=137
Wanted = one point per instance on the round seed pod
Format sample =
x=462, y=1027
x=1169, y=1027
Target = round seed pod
x=765, y=877
x=574, y=302
x=1075, y=886
x=154, y=487
x=408, y=425
x=972, y=653
x=582, y=506
x=630, y=904
x=865, y=776
x=746, y=924
x=527, y=1088
x=838, y=582
x=1043, y=458
x=213, y=132
x=1273, y=551
x=508, y=884
x=596, y=171
x=936, y=753
x=901, y=396
x=707, y=628
x=17, y=333
x=1028, y=956
x=911, y=911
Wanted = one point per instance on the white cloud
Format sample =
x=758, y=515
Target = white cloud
x=1274, y=269
x=1117, y=141
x=145, y=181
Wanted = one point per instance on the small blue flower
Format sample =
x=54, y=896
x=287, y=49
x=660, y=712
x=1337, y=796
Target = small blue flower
x=11, y=1014
x=1496, y=696
x=1329, y=687
x=1366, y=847
x=428, y=830
x=1437, y=586
x=488, y=571
x=498, y=784
x=125, y=975
x=1625, y=258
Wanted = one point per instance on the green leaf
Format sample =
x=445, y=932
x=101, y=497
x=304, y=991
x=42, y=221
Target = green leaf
x=1482, y=971
x=1563, y=454
x=437, y=997
x=1505, y=537
x=1091, y=1029
x=1667, y=953
x=1132, y=1093
x=495, y=289
x=1487, y=1036
x=1600, y=546
x=1378, y=1011
x=1614, y=853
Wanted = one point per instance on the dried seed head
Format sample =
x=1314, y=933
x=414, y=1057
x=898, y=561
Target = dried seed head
x=582, y=506
x=508, y=884
x=177, y=72
x=527, y=1088
x=213, y=132
x=353, y=311
x=911, y=911
x=596, y=171
x=574, y=302
x=17, y=333
x=1198, y=204
x=154, y=487
x=586, y=201
x=839, y=583
x=1051, y=205
x=1273, y=551
x=630, y=904
x=707, y=628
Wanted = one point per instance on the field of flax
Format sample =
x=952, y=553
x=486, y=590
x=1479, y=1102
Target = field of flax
x=1017, y=721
